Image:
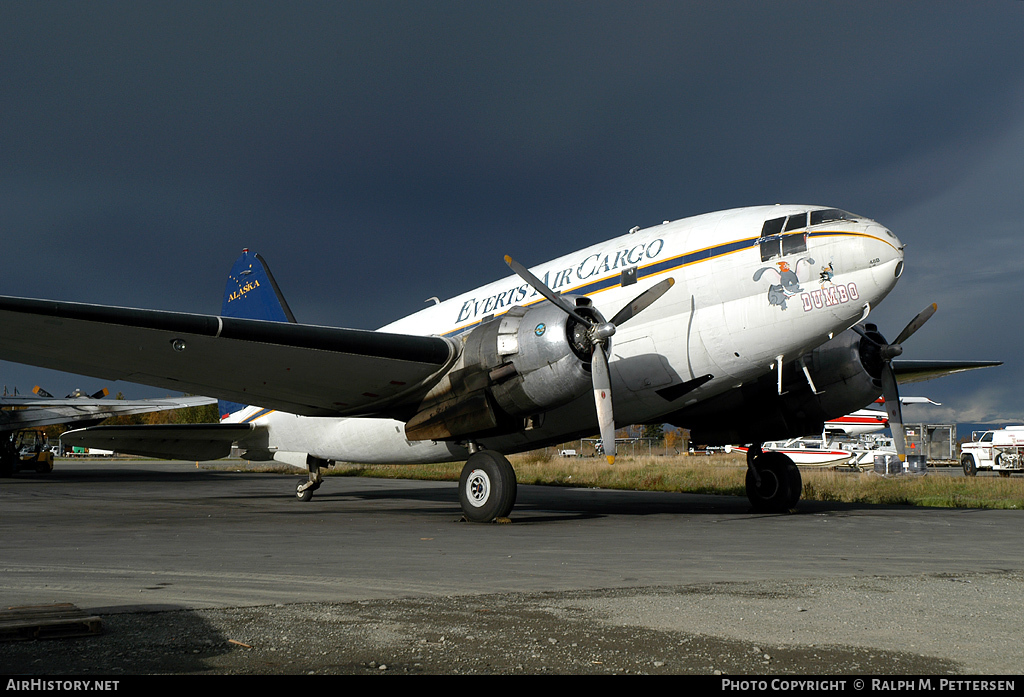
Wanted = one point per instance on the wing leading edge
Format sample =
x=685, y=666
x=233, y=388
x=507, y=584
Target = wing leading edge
x=298, y=368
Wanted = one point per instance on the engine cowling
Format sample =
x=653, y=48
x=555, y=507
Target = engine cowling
x=510, y=371
x=846, y=372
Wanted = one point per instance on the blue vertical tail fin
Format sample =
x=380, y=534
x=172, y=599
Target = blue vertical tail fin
x=252, y=293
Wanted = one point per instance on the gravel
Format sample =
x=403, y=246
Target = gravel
x=919, y=625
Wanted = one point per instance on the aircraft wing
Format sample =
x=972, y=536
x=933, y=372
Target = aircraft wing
x=298, y=368
x=167, y=441
x=919, y=371
x=30, y=412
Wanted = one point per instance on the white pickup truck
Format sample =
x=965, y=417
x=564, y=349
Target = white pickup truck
x=1001, y=451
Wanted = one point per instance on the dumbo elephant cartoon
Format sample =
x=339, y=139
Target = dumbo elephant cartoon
x=788, y=283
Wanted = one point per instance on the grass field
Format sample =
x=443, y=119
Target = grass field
x=724, y=474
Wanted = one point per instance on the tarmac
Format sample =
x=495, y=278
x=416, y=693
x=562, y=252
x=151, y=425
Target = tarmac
x=207, y=572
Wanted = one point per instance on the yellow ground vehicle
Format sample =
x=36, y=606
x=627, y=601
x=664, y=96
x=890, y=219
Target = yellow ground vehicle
x=25, y=450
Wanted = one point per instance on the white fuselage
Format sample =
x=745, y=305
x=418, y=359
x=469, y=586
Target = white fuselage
x=859, y=422
x=738, y=304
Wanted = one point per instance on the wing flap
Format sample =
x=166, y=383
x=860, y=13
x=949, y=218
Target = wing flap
x=298, y=368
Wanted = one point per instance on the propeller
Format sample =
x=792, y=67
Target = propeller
x=890, y=391
x=77, y=393
x=599, y=332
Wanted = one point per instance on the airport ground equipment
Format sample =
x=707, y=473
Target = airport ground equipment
x=24, y=450
x=999, y=451
x=936, y=443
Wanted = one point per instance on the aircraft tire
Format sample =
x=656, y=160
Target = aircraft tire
x=304, y=494
x=487, y=487
x=780, y=487
x=970, y=469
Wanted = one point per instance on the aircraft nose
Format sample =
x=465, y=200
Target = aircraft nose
x=899, y=252
x=889, y=237
x=892, y=255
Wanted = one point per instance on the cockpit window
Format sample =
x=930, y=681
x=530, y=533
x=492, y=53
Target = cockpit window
x=796, y=242
x=830, y=215
x=772, y=227
x=779, y=236
x=796, y=222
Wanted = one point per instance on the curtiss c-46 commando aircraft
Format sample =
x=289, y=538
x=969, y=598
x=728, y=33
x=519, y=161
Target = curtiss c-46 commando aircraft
x=744, y=326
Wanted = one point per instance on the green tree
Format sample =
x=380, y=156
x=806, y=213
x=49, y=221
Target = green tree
x=654, y=431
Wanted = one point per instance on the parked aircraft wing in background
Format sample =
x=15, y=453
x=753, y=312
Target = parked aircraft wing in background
x=20, y=413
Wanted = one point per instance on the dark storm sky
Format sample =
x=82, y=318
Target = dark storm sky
x=379, y=153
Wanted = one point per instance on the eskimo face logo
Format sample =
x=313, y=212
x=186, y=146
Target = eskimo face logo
x=539, y=329
x=788, y=283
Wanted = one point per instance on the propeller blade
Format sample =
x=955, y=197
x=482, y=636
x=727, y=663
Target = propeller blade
x=603, y=401
x=641, y=302
x=890, y=392
x=551, y=295
x=41, y=392
x=916, y=323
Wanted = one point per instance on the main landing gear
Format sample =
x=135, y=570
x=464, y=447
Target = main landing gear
x=773, y=481
x=487, y=487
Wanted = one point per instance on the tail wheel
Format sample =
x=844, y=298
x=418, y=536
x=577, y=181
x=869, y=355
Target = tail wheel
x=780, y=483
x=487, y=487
x=304, y=490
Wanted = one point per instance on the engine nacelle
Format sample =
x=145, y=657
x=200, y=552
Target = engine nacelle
x=846, y=372
x=511, y=370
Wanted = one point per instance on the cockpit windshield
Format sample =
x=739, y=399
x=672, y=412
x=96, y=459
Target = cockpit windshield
x=830, y=215
x=788, y=234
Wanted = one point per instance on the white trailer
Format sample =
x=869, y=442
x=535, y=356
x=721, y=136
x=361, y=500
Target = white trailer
x=1000, y=451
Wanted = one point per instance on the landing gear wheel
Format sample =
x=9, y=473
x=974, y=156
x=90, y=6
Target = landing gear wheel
x=304, y=490
x=487, y=487
x=970, y=469
x=780, y=485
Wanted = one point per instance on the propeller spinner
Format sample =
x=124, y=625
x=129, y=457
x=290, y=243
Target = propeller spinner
x=599, y=332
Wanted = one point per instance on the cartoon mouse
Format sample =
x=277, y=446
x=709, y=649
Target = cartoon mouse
x=788, y=283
